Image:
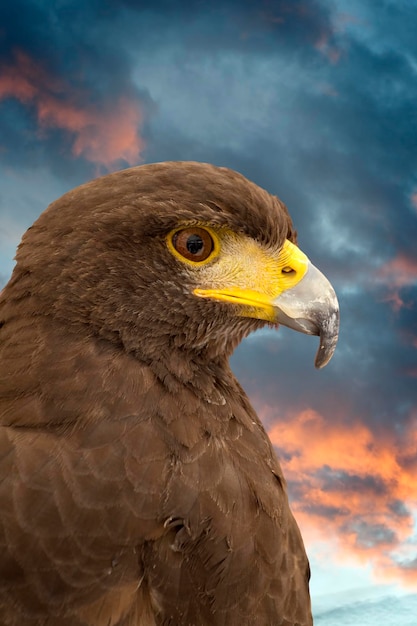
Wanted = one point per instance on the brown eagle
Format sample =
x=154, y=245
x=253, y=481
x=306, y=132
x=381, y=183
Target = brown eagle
x=137, y=485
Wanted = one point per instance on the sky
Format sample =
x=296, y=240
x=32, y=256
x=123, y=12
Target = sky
x=315, y=101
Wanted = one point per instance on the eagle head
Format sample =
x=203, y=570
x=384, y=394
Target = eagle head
x=174, y=258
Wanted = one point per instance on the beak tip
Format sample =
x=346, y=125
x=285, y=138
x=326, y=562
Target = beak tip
x=328, y=339
x=322, y=358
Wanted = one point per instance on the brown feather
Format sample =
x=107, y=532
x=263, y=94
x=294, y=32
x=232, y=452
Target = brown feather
x=137, y=485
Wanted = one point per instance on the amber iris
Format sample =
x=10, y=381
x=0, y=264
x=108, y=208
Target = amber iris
x=195, y=244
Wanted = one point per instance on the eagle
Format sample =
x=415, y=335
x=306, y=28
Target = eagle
x=138, y=486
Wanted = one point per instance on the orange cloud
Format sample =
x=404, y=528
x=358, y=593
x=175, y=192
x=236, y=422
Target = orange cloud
x=401, y=271
x=101, y=134
x=353, y=488
x=398, y=273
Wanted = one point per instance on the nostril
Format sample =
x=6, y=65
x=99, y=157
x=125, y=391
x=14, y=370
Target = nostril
x=288, y=270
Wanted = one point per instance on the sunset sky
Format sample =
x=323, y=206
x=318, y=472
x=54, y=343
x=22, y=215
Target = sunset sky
x=317, y=102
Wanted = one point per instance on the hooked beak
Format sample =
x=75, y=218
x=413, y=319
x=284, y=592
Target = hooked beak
x=285, y=288
x=311, y=307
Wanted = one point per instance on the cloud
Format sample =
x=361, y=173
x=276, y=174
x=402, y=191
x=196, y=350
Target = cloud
x=331, y=52
x=103, y=133
x=401, y=271
x=390, y=610
x=351, y=486
x=253, y=27
x=396, y=274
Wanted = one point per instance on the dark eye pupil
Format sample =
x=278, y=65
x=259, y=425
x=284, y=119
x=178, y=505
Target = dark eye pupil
x=194, y=244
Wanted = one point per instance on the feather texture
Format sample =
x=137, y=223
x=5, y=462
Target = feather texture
x=137, y=485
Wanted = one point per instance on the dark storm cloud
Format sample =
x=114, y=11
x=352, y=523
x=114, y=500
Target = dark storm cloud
x=66, y=37
x=399, y=508
x=332, y=479
x=325, y=511
x=81, y=54
x=70, y=36
x=62, y=83
x=356, y=160
x=370, y=535
x=355, y=155
x=248, y=26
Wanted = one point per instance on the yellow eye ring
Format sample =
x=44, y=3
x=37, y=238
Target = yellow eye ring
x=194, y=245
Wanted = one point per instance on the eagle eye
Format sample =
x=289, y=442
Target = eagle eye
x=194, y=243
